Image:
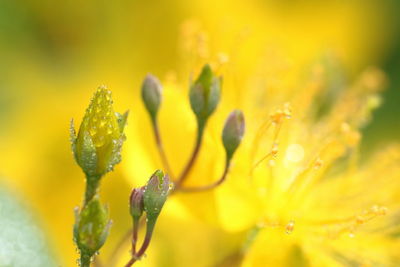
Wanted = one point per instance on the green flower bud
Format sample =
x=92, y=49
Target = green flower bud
x=136, y=203
x=97, y=148
x=155, y=194
x=91, y=227
x=152, y=94
x=205, y=93
x=233, y=132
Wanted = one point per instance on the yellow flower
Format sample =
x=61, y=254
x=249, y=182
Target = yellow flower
x=297, y=193
x=299, y=190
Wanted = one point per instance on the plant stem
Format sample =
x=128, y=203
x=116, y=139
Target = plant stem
x=85, y=260
x=149, y=232
x=135, y=234
x=118, y=248
x=160, y=147
x=92, y=184
x=196, y=150
x=210, y=186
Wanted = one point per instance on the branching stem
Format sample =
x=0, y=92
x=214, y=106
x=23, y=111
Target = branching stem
x=160, y=147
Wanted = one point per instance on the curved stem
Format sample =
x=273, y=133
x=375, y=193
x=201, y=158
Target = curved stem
x=160, y=147
x=118, y=247
x=146, y=243
x=135, y=235
x=210, y=186
x=196, y=150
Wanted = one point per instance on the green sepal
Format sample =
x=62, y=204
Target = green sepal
x=73, y=138
x=155, y=194
x=87, y=155
x=91, y=227
x=122, y=119
x=205, y=94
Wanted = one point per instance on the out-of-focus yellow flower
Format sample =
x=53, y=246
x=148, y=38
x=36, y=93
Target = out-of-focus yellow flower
x=297, y=193
x=298, y=183
x=117, y=44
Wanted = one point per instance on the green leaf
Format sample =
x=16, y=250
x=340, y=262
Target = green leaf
x=22, y=243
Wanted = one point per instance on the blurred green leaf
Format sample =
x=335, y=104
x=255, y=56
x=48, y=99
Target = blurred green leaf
x=22, y=243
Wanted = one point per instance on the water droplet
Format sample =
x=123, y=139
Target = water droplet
x=171, y=186
x=289, y=227
x=99, y=141
x=352, y=235
x=318, y=163
x=92, y=130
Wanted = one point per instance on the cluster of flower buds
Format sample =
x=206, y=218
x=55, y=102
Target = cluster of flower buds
x=204, y=96
x=97, y=149
x=148, y=199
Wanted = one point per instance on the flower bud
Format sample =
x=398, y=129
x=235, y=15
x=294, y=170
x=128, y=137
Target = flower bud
x=205, y=93
x=152, y=94
x=136, y=203
x=233, y=132
x=155, y=194
x=97, y=148
x=91, y=227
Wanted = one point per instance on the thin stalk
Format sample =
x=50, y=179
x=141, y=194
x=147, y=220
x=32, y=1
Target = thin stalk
x=196, y=150
x=118, y=248
x=160, y=147
x=145, y=245
x=92, y=184
x=135, y=234
x=85, y=260
x=210, y=186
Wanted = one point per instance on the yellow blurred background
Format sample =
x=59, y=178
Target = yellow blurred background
x=54, y=54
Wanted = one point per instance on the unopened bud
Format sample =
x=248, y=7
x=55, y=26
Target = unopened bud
x=205, y=93
x=136, y=203
x=155, y=194
x=91, y=227
x=233, y=132
x=152, y=94
x=97, y=148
